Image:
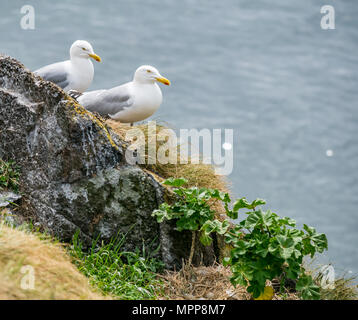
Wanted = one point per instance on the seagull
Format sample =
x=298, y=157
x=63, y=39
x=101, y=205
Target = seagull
x=131, y=102
x=74, y=74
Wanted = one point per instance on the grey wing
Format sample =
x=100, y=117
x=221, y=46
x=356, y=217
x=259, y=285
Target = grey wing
x=107, y=102
x=55, y=73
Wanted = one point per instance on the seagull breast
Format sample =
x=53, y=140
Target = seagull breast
x=147, y=99
x=81, y=74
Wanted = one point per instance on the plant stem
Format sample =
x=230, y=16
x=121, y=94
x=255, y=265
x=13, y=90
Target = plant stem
x=193, y=233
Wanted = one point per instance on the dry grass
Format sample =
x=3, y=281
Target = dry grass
x=206, y=283
x=199, y=175
x=55, y=276
x=344, y=289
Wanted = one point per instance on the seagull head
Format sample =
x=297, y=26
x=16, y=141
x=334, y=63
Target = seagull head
x=149, y=74
x=83, y=49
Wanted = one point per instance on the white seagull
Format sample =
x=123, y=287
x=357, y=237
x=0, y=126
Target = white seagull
x=131, y=102
x=74, y=74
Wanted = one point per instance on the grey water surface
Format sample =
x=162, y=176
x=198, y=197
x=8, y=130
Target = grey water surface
x=263, y=68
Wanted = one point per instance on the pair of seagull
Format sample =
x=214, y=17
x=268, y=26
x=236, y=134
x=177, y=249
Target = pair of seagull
x=131, y=102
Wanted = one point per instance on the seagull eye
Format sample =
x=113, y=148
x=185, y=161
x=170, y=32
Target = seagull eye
x=83, y=48
x=149, y=71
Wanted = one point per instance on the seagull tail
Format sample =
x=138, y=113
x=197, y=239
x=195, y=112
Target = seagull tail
x=74, y=94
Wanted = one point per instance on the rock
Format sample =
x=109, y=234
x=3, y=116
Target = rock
x=74, y=175
x=7, y=198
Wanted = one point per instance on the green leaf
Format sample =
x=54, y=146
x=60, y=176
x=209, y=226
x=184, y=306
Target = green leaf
x=240, y=203
x=205, y=239
x=320, y=242
x=178, y=182
x=286, y=253
x=210, y=227
x=163, y=213
x=267, y=218
x=257, y=202
x=243, y=203
x=217, y=226
x=262, y=252
x=223, y=196
x=238, y=279
x=226, y=261
x=256, y=288
x=189, y=213
x=285, y=242
x=187, y=224
x=309, y=230
x=309, y=291
x=233, y=236
x=240, y=247
x=293, y=269
x=287, y=221
x=273, y=246
x=252, y=220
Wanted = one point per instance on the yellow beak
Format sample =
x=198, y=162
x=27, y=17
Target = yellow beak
x=95, y=57
x=164, y=80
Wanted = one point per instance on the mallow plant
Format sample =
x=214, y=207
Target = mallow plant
x=263, y=245
x=193, y=212
x=266, y=247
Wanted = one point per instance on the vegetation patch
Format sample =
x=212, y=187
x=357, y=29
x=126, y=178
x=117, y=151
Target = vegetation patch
x=264, y=246
x=33, y=266
x=9, y=176
x=208, y=283
x=125, y=275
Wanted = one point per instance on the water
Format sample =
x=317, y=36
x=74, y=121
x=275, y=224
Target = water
x=287, y=87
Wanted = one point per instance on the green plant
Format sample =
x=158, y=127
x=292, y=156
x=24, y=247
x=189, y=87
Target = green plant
x=9, y=175
x=272, y=247
x=192, y=211
x=127, y=275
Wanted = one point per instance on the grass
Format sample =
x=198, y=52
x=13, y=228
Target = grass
x=9, y=175
x=195, y=283
x=106, y=272
x=345, y=288
x=199, y=175
x=55, y=277
x=125, y=275
x=208, y=283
